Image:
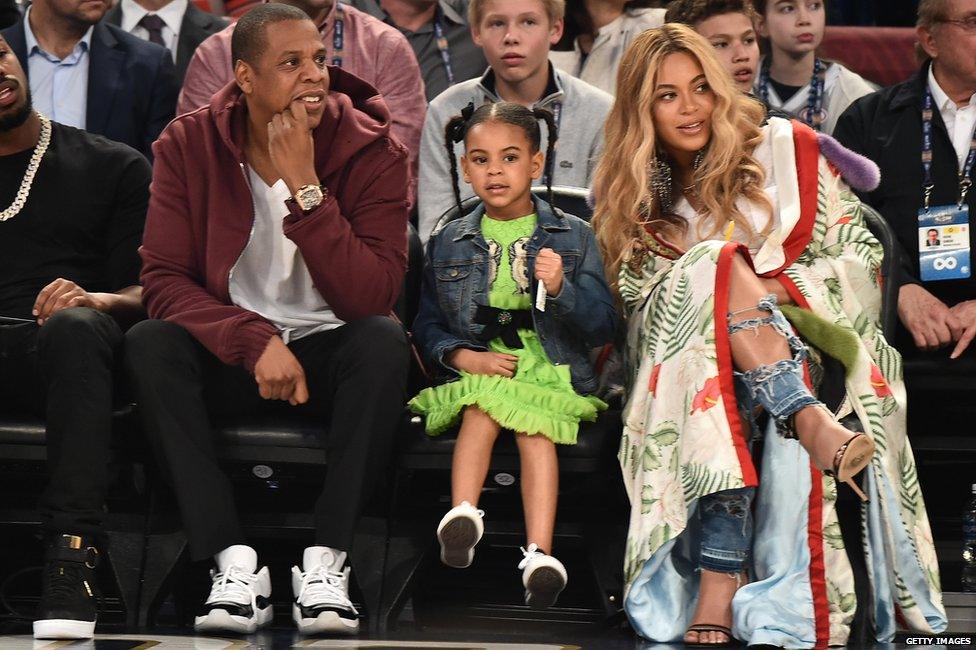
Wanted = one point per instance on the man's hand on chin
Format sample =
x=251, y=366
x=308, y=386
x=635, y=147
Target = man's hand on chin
x=291, y=147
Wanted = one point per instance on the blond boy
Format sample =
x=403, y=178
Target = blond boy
x=515, y=36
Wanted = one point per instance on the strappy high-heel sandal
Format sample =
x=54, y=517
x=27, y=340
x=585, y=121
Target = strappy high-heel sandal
x=700, y=628
x=709, y=627
x=852, y=456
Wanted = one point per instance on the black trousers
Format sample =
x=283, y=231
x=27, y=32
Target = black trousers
x=64, y=372
x=356, y=377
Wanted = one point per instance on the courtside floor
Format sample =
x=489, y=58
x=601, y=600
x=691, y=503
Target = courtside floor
x=286, y=639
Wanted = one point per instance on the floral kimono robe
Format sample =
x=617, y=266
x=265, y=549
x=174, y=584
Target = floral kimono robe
x=684, y=437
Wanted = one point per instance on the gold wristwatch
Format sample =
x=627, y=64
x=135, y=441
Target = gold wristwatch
x=309, y=197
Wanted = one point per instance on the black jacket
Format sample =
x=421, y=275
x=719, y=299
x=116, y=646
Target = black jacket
x=886, y=126
x=131, y=88
x=197, y=26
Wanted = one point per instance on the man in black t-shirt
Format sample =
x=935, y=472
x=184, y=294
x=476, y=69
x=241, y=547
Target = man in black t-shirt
x=72, y=209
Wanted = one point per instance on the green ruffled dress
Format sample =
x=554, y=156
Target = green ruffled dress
x=540, y=397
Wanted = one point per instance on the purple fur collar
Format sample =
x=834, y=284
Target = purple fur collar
x=860, y=173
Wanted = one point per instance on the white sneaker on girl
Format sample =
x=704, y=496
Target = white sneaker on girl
x=321, y=588
x=240, y=599
x=543, y=577
x=458, y=533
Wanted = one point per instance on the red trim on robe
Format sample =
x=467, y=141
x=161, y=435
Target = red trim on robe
x=818, y=574
x=664, y=242
x=807, y=171
x=723, y=350
x=815, y=540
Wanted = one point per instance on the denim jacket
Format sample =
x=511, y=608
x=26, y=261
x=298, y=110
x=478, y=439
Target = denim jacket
x=581, y=317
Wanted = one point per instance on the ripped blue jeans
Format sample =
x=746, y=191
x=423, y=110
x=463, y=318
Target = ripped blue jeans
x=726, y=517
x=777, y=387
x=726, y=525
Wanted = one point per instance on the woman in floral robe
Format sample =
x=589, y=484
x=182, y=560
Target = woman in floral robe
x=709, y=220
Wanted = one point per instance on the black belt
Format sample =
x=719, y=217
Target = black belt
x=503, y=323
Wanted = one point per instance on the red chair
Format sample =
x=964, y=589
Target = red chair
x=884, y=55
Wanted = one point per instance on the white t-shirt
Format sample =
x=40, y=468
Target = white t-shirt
x=271, y=278
x=757, y=215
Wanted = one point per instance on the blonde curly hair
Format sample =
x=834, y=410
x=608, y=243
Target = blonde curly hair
x=625, y=206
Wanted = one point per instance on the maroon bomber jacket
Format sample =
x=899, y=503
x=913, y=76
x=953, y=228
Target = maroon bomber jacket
x=201, y=213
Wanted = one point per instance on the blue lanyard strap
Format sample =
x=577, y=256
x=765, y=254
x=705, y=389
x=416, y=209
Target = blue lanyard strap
x=815, y=99
x=442, y=45
x=339, y=37
x=965, y=174
x=338, y=34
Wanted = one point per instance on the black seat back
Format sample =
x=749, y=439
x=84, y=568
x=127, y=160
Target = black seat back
x=889, y=297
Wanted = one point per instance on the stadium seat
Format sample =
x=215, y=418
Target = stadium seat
x=883, y=55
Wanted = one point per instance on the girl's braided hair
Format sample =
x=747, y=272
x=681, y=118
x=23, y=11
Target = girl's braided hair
x=508, y=113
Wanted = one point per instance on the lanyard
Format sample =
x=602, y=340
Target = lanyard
x=965, y=174
x=339, y=38
x=442, y=45
x=338, y=34
x=818, y=84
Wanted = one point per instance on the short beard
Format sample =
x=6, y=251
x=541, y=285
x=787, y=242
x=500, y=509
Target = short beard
x=17, y=118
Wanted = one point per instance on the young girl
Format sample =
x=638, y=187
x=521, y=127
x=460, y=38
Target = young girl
x=513, y=298
x=791, y=76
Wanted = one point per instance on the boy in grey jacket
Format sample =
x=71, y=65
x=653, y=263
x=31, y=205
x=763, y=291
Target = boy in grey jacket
x=516, y=36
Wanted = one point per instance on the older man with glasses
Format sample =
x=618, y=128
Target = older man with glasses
x=921, y=133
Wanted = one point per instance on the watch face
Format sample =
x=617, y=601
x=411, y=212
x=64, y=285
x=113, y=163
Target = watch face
x=309, y=197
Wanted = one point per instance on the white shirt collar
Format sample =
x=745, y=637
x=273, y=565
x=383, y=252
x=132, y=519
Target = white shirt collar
x=32, y=40
x=171, y=14
x=939, y=96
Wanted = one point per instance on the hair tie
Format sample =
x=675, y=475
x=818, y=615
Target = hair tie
x=457, y=131
x=461, y=126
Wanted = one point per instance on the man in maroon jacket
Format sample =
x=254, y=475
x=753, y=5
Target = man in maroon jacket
x=275, y=247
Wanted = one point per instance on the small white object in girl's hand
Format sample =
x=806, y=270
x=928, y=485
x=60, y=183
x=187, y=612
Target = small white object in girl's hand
x=540, y=296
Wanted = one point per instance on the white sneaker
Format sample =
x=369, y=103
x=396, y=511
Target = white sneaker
x=543, y=577
x=239, y=602
x=322, y=604
x=458, y=533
